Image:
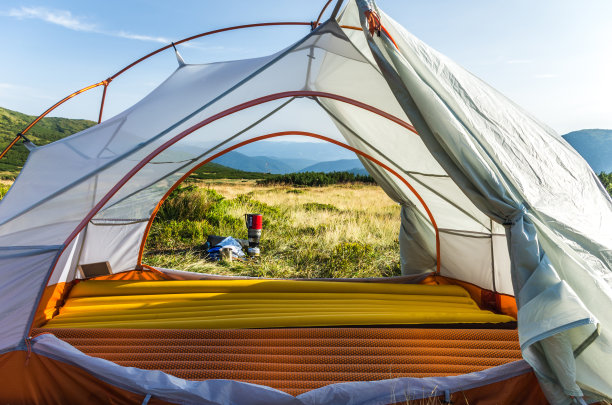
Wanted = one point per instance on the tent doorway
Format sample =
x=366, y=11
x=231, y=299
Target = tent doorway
x=354, y=247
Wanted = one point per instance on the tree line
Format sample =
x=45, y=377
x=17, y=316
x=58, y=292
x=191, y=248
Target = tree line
x=316, y=179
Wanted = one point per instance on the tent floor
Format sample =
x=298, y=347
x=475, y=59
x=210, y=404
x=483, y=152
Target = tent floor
x=296, y=360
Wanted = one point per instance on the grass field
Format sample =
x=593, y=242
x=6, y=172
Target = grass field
x=333, y=231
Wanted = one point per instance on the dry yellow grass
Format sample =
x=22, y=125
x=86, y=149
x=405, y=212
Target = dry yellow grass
x=333, y=231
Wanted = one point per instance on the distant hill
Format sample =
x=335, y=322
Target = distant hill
x=46, y=131
x=216, y=171
x=595, y=146
x=277, y=157
x=313, y=151
x=298, y=163
x=262, y=164
x=342, y=165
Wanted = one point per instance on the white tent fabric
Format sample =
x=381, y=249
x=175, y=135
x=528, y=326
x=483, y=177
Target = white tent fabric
x=480, y=164
x=521, y=174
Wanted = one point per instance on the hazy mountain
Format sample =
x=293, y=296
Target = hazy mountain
x=313, y=151
x=342, y=165
x=278, y=157
x=298, y=164
x=262, y=164
x=595, y=146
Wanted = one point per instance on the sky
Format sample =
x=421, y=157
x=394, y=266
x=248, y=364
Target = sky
x=552, y=57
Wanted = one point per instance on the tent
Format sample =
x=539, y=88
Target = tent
x=490, y=198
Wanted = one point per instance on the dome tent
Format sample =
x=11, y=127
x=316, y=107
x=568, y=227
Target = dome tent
x=474, y=176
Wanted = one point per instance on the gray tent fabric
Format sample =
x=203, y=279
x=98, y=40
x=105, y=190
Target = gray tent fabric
x=501, y=158
x=417, y=242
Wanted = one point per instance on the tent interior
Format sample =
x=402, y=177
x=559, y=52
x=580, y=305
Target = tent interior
x=447, y=325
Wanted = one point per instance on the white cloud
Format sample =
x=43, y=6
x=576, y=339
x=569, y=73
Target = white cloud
x=66, y=19
x=127, y=35
x=59, y=17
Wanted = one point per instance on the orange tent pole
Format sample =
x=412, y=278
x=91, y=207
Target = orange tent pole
x=106, y=82
x=10, y=145
x=316, y=23
x=237, y=27
x=53, y=107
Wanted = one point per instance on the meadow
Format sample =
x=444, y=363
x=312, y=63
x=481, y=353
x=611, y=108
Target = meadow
x=343, y=230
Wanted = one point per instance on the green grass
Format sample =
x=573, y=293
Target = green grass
x=315, y=206
x=46, y=131
x=216, y=171
x=300, y=239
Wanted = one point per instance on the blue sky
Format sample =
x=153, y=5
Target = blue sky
x=553, y=57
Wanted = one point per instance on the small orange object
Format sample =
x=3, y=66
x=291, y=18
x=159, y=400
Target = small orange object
x=375, y=25
x=373, y=19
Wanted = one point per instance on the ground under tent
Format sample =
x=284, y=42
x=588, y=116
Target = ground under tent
x=482, y=221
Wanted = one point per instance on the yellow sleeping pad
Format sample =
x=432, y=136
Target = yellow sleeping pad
x=241, y=304
x=94, y=288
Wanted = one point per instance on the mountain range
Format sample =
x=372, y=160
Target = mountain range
x=274, y=165
x=276, y=157
x=595, y=146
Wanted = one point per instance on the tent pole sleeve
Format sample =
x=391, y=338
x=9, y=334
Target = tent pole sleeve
x=336, y=9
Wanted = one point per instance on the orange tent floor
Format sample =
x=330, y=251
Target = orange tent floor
x=194, y=330
x=299, y=359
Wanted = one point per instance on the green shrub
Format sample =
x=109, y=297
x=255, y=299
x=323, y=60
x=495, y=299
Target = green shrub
x=190, y=214
x=247, y=204
x=4, y=188
x=606, y=180
x=349, y=258
x=288, y=249
x=313, y=230
x=317, y=179
x=177, y=234
x=314, y=206
x=189, y=203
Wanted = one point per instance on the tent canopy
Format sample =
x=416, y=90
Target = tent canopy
x=489, y=195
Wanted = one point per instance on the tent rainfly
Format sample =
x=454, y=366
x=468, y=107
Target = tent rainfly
x=489, y=197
